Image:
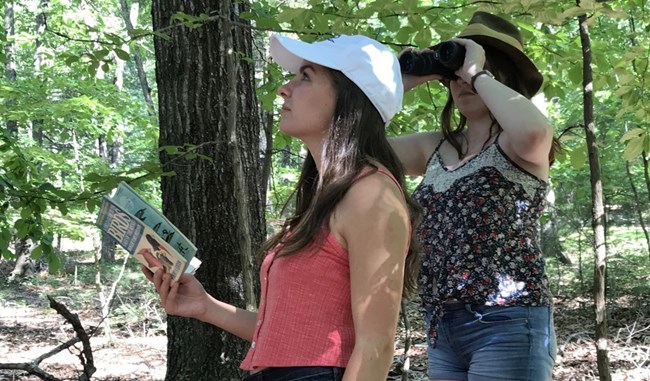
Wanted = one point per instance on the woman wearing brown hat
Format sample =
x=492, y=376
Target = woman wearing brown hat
x=483, y=284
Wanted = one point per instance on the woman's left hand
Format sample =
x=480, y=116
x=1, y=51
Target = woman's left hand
x=474, y=59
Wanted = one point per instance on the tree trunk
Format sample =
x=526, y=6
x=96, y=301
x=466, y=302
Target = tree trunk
x=598, y=211
x=129, y=14
x=550, y=238
x=646, y=174
x=267, y=153
x=37, y=125
x=24, y=264
x=207, y=98
x=10, y=56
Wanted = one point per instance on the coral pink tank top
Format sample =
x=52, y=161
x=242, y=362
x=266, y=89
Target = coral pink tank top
x=305, y=312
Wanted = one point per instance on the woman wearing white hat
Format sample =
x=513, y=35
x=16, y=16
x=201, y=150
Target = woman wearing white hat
x=483, y=285
x=333, y=277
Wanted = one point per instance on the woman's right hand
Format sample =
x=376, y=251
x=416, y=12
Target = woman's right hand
x=185, y=297
x=410, y=81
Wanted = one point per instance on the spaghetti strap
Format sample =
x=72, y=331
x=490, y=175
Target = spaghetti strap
x=435, y=151
x=390, y=176
x=438, y=146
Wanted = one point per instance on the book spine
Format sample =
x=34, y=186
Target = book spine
x=123, y=227
x=139, y=240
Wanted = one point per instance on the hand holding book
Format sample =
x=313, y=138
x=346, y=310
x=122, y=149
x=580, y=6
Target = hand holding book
x=146, y=234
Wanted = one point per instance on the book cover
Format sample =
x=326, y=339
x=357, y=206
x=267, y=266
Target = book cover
x=129, y=200
x=146, y=233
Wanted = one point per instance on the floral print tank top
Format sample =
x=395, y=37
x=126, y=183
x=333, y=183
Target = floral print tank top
x=479, y=234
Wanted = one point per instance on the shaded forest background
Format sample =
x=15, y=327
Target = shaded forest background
x=179, y=99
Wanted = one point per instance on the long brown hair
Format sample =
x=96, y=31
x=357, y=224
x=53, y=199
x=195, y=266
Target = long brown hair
x=504, y=71
x=355, y=140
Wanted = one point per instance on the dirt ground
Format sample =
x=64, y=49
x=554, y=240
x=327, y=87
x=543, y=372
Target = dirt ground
x=29, y=329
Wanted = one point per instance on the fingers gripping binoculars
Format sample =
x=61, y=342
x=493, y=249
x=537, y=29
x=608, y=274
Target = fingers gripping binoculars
x=443, y=59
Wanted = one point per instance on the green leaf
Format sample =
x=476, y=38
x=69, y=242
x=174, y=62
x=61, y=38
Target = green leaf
x=137, y=32
x=171, y=150
x=392, y=24
x=633, y=149
x=248, y=16
x=290, y=14
x=162, y=35
x=36, y=253
x=101, y=54
x=124, y=56
x=575, y=74
x=91, y=204
x=54, y=262
x=578, y=157
x=71, y=58
x=26, y=212
x=632, y=134
x=22, y=228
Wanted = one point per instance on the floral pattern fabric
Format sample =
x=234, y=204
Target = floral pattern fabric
x=479, y=234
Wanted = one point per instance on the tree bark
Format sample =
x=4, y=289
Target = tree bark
x=598, y=210
x=10, y=56
x=646, y=174
x=550, y=238
x=207, y=98
x=24, y=264
x=37, y=125
x=128, y=11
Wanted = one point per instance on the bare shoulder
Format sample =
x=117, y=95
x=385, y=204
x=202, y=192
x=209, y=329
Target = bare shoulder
x=372, y=190
x=373, y=205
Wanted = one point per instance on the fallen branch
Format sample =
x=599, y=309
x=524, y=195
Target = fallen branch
x=85, y=356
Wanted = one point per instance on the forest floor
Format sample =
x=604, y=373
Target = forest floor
x=137, y=351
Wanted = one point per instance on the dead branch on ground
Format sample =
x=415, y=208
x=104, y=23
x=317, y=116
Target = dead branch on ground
x=85, y=355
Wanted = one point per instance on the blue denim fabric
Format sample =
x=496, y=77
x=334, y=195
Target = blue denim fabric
x=483, y=343
x=302, y=373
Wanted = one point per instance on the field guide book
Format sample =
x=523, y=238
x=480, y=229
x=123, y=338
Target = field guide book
x=145, y=233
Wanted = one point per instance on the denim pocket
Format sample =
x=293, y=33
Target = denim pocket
x=496, y=315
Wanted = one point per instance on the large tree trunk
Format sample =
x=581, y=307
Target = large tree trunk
x=598, y=211
x=207, y=98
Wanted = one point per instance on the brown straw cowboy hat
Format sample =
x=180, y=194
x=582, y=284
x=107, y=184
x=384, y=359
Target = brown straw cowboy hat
x=492, y=31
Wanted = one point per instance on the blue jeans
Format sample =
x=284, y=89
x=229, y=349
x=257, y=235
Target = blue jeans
x=484, y=343
x=306, y=373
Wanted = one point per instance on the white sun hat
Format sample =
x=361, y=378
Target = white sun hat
x=366, y=62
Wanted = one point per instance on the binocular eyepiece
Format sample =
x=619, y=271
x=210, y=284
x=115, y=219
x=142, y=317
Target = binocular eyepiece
x=445, y=60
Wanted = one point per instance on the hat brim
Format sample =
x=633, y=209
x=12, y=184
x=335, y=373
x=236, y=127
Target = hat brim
x=284, y=51
x=526, y=69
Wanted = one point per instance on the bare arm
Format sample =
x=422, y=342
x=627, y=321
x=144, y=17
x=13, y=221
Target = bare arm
x=373, y=222
x=526, y=131
x=188, y=298
x=414, y=150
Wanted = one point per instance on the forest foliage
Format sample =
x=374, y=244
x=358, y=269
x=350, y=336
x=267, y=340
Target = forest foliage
x=77, y=121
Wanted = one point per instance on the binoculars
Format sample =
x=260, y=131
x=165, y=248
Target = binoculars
x=445, y=59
